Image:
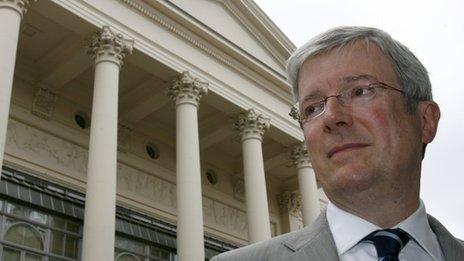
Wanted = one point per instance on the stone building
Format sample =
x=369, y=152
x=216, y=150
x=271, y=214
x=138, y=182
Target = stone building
x=146, y=130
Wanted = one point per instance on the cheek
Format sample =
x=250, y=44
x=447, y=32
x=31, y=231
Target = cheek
x=313, y=140
x=380, y=126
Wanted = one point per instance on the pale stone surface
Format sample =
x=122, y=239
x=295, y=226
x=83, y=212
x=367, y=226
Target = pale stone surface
x=63, y=156
x=239, y=188
x=124, y=135
x=187, y=91
x=107, y=50
x=252, y=127
x=307, y=183
x=44, y=103
x=11, y=13
x=109, y=46
x=290, y=201
x=44, y=149
x=135, y=183
x=19, y=6
x=223, y=217
x=290, y=206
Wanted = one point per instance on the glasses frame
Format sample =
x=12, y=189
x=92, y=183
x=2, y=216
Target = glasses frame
x=295, y=111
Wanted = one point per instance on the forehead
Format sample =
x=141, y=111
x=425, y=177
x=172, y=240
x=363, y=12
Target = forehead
x=327, y=71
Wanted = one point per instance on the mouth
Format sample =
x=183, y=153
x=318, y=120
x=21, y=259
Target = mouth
x=345, y=147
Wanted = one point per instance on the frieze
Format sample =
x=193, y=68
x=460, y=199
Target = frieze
x=44, y=149
x=219, y=215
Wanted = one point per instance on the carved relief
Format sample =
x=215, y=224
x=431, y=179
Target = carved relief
x=18, y=5
x=239, y=188
x=140, y=184
x=252, y=124
x=40, y=147
x=188, y=89
x=47, y=150
x=300, y=156
x=108, y=45
x=44, y=103
x=222, y=216
x=124, y=134
x=291, y=202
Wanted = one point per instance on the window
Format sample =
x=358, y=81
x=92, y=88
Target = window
x=31, y=235
x=127, y=249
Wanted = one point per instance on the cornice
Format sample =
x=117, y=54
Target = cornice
x=204, y=38
x=273, y=33
x=231, y=6
x=148, y=47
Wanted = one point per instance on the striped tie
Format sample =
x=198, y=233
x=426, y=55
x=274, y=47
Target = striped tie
x=388, y=243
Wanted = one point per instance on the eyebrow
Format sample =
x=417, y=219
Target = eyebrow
x=345, y=80
x=358, y=77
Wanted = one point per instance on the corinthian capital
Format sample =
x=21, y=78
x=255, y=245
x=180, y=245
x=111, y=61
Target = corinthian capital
x=251, y=125
x=300, y=156
x=19, y=6
x=290, y=201
x=187, y=89
x=107, y=45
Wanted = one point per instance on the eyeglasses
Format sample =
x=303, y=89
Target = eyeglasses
x=309, y=109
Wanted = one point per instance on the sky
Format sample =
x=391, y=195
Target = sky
x=434, y=32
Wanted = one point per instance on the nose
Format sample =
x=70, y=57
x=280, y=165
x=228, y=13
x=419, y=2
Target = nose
x=336, y=116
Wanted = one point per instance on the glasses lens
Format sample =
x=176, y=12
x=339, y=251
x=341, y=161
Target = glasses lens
x=357, y=94
x=310, y=110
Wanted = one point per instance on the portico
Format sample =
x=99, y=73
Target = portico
x=159, y=116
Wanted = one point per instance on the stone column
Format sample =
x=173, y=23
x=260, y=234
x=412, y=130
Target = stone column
x=290, y=215
x=108, y=50
x=11, y=13
x=252, y=127
x=186, y=92
x=307, y=183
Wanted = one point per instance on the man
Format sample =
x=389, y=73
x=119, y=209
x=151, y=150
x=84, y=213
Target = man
x=366, y=110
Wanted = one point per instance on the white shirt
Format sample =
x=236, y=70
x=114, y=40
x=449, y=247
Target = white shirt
x=348, y=230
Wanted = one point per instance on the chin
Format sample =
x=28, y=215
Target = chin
x=355, y=181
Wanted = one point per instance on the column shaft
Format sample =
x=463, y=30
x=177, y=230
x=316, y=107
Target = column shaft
x=99, y=225
x=259, y=227
x=9, y=33
x=189, y=200
x=186, y=91
x=252, y=127
x=309, y=195
x=108, y=50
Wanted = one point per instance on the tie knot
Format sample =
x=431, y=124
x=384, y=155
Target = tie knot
x=388, y=242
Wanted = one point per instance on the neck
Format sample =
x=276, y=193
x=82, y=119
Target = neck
x=384, y=211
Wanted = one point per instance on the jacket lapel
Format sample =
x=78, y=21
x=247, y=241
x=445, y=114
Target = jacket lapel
x=452, y=248
x=314, y=242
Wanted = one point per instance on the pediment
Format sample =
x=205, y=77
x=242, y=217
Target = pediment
x=241, y=27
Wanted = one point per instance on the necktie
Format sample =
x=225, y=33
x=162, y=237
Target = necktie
x=388, y=243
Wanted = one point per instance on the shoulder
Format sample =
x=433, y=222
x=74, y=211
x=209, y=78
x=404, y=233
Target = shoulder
x=265, y=250
x=280, y=247
x=452, y=247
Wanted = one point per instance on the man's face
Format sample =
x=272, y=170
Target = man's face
x=374, y=146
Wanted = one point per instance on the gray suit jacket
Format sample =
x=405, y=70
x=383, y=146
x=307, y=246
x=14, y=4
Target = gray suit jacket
x=316, y=243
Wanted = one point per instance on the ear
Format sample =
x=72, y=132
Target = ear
x=430, y=116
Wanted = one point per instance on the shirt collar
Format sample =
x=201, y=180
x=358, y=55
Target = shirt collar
x=348, y=229
x=417, y=226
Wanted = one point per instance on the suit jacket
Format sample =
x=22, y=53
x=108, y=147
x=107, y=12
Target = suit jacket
x=315, y=242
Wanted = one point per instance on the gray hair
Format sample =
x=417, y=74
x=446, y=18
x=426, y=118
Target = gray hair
x=410, y=72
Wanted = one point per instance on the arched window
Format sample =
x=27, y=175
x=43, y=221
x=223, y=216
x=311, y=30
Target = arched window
x=25, y=235
x=127, y=257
